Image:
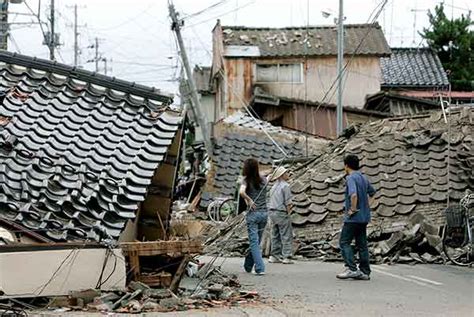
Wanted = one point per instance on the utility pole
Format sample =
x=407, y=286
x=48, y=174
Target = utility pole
x=76, y=36
x=52, y=42
x=195, y=105
x=96, y=58
x=340, y=61
x=76, y=26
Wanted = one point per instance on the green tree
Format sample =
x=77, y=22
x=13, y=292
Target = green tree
x=453, y=40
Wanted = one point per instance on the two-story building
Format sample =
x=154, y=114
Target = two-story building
x=294, y=63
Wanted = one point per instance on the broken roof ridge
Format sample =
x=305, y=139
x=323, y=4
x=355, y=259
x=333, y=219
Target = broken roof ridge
x=323, y=26
x=74, y=72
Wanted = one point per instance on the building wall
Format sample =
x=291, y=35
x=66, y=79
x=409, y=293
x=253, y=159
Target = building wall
x=26, y=274
x=362, y=78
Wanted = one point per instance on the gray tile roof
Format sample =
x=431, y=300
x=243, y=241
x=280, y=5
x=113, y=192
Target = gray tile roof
x=77, y=150
x=413, y=67
x=362, y=39
x=240, y=143
x=405, y=159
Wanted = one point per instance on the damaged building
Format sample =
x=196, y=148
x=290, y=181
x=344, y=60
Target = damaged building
x=418, y=165
x=87, y=162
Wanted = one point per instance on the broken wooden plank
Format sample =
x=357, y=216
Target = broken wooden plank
x=179, y=274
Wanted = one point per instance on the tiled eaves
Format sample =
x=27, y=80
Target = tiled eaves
x=77, y=159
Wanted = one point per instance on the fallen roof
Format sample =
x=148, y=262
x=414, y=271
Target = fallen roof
x=413, y=67
x=242, y=140
x=77, y=149
x=405, y=159
x=360, y=39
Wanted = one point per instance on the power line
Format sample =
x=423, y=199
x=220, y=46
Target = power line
x=225, y=13
x=212, y=6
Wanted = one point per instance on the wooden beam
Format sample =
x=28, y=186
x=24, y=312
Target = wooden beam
x=179, y=274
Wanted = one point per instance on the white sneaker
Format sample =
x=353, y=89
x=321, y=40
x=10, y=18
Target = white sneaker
x=274, y=259
x=287, y=261
x=349, y=274
x=259, y=273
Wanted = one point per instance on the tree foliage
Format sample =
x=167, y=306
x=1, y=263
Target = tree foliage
x=453, y=40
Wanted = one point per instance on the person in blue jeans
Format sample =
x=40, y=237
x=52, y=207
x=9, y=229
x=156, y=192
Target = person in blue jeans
x=357, y=203
x=254, y=191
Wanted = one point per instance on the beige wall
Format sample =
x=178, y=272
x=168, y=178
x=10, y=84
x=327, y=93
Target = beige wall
x=23, y=274
x=362, y=78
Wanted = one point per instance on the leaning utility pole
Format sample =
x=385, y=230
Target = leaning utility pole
x=195, y=104
x=52, y=41
x=340, y=61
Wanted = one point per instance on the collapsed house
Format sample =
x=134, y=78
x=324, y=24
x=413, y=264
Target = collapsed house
x=87, y=161
x=417, y=165
x=241, y=136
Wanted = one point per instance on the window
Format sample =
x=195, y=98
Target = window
x=279, y=73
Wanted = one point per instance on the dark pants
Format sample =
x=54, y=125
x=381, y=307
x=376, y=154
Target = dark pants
x=357, y=231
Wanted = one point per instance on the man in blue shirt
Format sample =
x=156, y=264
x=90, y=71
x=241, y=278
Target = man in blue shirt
x=356, y=218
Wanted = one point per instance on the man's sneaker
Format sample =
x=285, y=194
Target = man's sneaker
x=259, y=273
x=363, y=277
x=287, y=261
x=349, y=274
x=274, y=259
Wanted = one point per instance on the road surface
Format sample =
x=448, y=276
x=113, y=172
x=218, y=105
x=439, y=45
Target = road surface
x=311, y=289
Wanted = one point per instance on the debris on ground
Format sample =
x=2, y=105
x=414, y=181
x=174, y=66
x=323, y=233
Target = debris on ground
x=210, y=287
x=415, y=241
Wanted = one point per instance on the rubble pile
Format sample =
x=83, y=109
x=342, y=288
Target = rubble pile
x=210, y=287
x=417, y=165
x=416, y=241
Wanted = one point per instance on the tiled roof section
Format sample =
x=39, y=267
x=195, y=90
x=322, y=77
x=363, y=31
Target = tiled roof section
x=413, y=67
x=76, y=158
x=359, y=39
x=233, y=149
x=405, y=159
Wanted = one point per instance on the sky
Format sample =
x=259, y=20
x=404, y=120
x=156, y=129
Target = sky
x=136, y=39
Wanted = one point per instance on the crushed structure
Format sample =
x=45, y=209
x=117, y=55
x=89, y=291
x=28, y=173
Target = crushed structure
x=414, y=163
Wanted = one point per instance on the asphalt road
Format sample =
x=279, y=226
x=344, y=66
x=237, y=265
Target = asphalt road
x=311, y=289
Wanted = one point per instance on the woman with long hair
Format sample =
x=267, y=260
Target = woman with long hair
x=254, y=191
